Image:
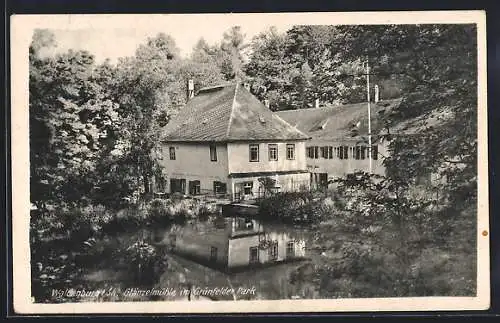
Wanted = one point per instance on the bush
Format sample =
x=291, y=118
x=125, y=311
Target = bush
x=144, y=261
x=174, y=210
x=76, y=224
x=158, y=212
x=126, y=220
x=292, y=207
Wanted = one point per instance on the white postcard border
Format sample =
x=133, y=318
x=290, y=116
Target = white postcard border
x=22, y=27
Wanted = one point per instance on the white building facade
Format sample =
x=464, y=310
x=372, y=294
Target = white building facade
x=225, y=142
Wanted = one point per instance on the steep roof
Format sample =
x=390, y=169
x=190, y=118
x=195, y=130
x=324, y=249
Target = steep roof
x=228, y=113
x=337, y=122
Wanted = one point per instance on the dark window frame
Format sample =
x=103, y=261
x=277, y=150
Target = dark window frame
x=222, y=185
x=324, y=152
x=213, y=152
x=346, y=152
x=360, y=152
x=309, y=152
x=194, y=187
x=330, y=152
x=250, y=153
x=246, y=187
x=343, y=152
x=271, y=147
x=171, y=153
x=273, y=251
x=253, y=260
x=292, y=146
x=374, y=152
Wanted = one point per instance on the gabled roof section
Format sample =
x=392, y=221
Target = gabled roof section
x=228, y=113
x=338, y=122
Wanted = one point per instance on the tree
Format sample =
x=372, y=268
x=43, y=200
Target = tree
x=394, y=218
x=148, y=93
x=72, y=123
x=269, y=68
x=232, y=46
x=300, y=66
x=202, y=67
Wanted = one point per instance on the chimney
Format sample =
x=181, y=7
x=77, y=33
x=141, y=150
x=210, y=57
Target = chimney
x=266, y=103
x=190, y=89
x=376, y=94
x=316, y=103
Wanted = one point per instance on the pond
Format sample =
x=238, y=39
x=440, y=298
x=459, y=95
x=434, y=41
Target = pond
x=224, y=258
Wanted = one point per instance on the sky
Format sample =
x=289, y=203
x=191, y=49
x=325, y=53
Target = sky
x=118, y=35
x=114, y=40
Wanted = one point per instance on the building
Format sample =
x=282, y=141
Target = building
x=339, y=138
x=227, y=143
x=234, y=243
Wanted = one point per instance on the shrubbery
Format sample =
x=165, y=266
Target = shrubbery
x=145, y=263
x=295, y=207
x=179, y=210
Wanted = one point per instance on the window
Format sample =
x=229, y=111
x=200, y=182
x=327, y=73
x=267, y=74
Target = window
x=324, y=152
x=248, y=188
x=254, y=153
x=273, y=151
x=194, y=187
x=359, y=152
x=243, y=224
x=171, y=151
x=342, y=152
x=178, y=185
x=273, y=251
x=313, y=152
x=374, y=152
x=310, y=152
x=254, y=255
x=290, y=151
x=330, y=152
x=220, y=187
x=213, y=152
x=290, y=249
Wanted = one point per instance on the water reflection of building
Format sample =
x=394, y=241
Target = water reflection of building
x=235, y=243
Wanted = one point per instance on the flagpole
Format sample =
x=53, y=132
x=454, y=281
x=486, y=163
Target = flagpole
x=369, y=115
